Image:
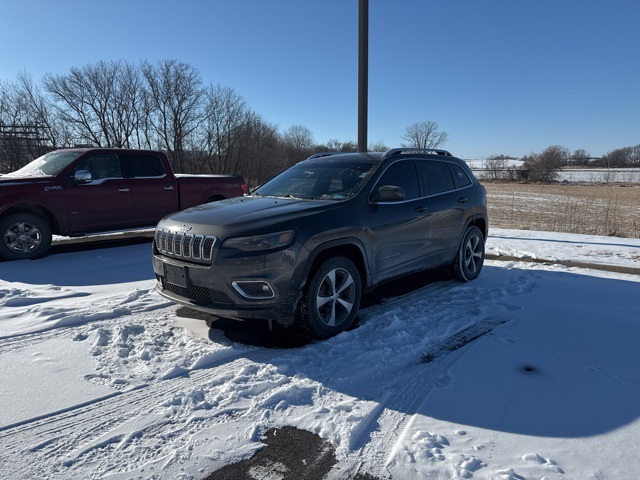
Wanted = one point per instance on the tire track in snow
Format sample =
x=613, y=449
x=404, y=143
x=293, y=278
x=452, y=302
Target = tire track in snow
x=85, y=433
x=64, y=320
x=391, y=421
x=406, y=395
x=86, y=436
x=431, y=289
x=80, y=434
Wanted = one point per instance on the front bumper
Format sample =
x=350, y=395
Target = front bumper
x=236, y=285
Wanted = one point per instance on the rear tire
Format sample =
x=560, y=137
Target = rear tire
x=470, y=256
x=23, y=236
x=332, y=298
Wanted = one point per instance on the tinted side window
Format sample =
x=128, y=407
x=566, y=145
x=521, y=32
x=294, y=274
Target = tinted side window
x=436, y=177
x=402, y=174
x=102, y=166
x=460, y=176
x=144, y=165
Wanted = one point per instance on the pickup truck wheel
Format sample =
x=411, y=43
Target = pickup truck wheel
x=24, y=235
x=332, y=298
x=470, y=256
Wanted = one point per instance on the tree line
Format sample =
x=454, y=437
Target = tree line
x=204, y=128
x=162, y=106
x=545, y=166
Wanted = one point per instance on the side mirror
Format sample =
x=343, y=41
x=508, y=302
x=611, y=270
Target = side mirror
x=82, y=176
x=390, y=193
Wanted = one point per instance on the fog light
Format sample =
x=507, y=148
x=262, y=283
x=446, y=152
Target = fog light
x=254, y=289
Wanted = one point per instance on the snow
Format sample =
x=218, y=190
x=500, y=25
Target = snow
x=570, y=174
x=530, y=371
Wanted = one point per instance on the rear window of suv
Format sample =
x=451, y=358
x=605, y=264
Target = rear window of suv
x=460, y=176
x=436, y=177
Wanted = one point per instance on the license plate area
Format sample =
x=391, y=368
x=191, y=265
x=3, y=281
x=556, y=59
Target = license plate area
x=176, y=275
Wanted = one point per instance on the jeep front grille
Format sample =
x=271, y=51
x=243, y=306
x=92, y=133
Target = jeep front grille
x=185, y=245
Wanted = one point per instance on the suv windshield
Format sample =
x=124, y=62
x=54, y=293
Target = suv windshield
x=319, y=180
x=47, y=165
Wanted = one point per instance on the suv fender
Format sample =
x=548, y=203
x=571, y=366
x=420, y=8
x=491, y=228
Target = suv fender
x=350, y=247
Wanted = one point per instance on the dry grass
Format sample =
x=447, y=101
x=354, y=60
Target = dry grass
x=599, y=209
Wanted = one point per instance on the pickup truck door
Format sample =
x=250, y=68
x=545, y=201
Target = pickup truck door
x=154, y=190
x=153, y=198
x=105, y=202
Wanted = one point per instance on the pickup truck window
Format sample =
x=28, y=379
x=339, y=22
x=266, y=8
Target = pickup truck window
x=47, y=165
x=102, y=166
x=145, y=166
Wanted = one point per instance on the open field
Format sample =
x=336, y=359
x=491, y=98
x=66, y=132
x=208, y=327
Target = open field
x=589, y=209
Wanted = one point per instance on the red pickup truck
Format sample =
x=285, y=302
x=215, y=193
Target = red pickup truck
x=74, y=192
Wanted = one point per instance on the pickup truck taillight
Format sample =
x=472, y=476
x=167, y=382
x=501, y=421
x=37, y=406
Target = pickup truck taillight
x=245, y=188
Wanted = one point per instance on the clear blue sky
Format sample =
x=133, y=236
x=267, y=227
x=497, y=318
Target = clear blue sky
x=499, y=76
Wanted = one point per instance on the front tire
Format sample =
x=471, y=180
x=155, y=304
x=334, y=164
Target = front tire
x=332, y=298
x=470, y=256
x=24, y=236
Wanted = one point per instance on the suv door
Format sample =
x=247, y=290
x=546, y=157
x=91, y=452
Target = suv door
x=446, y=207
x=398, y=230
x=103, y=203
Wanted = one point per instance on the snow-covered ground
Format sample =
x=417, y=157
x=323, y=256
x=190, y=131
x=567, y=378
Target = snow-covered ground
x=531, y=371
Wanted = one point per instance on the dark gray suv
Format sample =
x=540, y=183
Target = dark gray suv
x=304, y=246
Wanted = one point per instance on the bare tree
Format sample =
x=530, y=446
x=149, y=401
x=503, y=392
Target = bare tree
x=40, y=112
x=424, y=135
x=621, y=157
x=175, y=97
x=378, y=146
x=225, y=113
x=28, y=127
x=259, y=151
x=99, y=102
x=497, y=166
x=544, y=167
x=633, y=159
x=10, y=114
x=334, y=145
x=580, y=157
x=299, y=137
x=297, y=144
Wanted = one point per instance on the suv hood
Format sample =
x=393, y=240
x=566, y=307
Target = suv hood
x=234, y=215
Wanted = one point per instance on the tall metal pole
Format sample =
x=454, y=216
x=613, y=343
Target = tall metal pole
x=363, y=72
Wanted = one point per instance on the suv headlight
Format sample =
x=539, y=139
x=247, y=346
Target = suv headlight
x=256, y=243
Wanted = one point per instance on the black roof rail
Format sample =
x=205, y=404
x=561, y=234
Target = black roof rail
x=323, y=154
x=435, y=151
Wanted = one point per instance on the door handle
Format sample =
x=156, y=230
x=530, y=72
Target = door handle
x=421, y=209
x=170, y=187
x=463, y=200
x=125, y=189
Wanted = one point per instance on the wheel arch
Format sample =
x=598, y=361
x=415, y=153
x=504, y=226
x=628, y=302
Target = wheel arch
x=481, y=222
x=349, y=248
x=38, y=210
